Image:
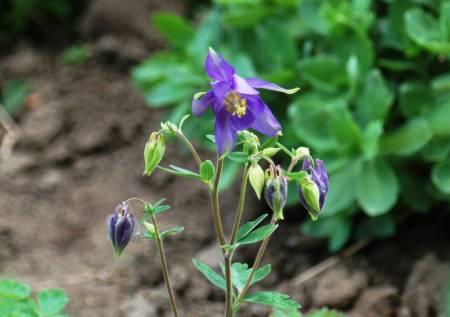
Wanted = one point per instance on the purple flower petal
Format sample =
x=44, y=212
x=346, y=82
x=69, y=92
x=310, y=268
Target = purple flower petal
x=241, y=86
x=217, y=67
x=224, y=131
x=221, y=89
x=259, y=83
x=243, y=122
x=255, y=104
x=266, y=123
x=200, y=105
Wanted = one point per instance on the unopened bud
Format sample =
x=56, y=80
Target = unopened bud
x=314, y=187
x=257, y=179
x=276, y=190
x=302, y=152
x=153, y=152
x=120, y=227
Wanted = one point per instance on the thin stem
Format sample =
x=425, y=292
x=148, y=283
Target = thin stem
x=229, y=286
x=165, y=269
x=215, y=205
x=135, y=199
x=240, y=208
x=292, y=165
x=188, y=143
x=256, y=264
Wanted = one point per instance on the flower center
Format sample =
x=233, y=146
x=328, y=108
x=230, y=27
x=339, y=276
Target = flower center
x=235, y=105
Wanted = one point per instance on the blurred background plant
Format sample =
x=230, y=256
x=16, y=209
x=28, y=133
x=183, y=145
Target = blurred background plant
x=18, y=17
x=16, y=300
x=375, y=99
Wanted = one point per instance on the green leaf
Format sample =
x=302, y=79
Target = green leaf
x=375, y=100
x=207, y=170
x=52, y=301
x=14, y=290
x=160, y=209
x=342, y=192
x=249, y=226
x=240, y=157
x=379, y=227
x=306, y=111
x=175, y=170
x=378, y=187
x=438, y=119
x=171, y=232
x=407, y=139
x=274, y=299
x=323, y=73
x=441, y=176
x=336, y=229
x=14, y=94
x=415, y=99
x=258, y=234
x=370, y=139
x=425, y=30
x=174, y=28
x=444, y=20
x=210, y=274
x=168, y=92
x=344, y=128
x=240, y=272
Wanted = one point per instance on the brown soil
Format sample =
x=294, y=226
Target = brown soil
x=83, y=132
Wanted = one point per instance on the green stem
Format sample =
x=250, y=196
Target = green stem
x=165, y=269
x=240, y=208
x=229, y=286
x=215, y=205
x=191, y=148
x=256, y=264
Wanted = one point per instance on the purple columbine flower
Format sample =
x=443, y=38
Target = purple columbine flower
x=235, y=102
x=319, y=178
x=120, y=227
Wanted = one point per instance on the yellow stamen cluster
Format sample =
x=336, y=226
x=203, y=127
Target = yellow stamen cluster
x=236, y=105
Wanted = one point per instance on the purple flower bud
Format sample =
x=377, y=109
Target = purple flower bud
x=276, y=190
x=120, y=227
x=315, y=187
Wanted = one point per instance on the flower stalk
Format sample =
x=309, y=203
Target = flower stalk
x=165, y=269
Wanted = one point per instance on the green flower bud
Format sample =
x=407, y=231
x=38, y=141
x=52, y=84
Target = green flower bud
x=153, y=152
x=256, y=178
x=276, y=190
x=301, y=152
x=311, y=196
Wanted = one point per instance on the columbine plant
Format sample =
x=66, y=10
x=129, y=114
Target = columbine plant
x=237, y=107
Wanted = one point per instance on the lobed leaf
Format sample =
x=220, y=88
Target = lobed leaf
x=274, y=299
x=210, y=274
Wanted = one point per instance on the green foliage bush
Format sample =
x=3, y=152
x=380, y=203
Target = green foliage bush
x=16, y=301
x=375, y=98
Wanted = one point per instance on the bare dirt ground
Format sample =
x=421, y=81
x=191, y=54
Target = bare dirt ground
x=83, y=133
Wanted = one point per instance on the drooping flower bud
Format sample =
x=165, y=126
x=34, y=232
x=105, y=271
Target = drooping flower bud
x=276, y=190
x=120, y=227
x=153, y=152
x=314, y=187
x=256, y=178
